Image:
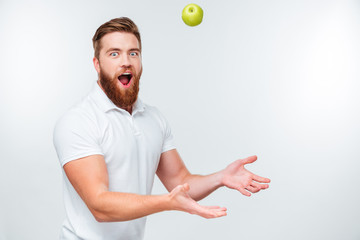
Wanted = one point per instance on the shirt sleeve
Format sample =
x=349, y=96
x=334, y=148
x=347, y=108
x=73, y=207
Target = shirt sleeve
x=168, y=140
x=75, y=136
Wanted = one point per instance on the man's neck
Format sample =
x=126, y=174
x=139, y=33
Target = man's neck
x=129, y=109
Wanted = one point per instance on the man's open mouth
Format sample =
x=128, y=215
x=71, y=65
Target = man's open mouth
x=125, y=78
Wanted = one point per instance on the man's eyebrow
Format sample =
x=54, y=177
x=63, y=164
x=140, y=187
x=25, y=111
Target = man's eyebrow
x=134, y=50
x=113, y=49
x=119, y=50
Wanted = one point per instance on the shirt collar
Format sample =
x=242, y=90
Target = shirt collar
x=105, y=104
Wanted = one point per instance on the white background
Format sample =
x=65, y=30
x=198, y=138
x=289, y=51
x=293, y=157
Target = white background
x=279, y=79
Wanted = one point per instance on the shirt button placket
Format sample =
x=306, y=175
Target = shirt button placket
x=133, y=126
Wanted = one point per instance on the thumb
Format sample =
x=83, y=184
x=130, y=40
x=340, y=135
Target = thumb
x=249, y=160
x=180, y=189
x=186, y=187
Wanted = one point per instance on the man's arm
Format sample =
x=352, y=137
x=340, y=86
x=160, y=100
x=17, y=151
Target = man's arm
x=172, y=172
x=89, y=177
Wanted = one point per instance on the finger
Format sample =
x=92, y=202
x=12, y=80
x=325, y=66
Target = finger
x=261, y=179
x=210, y=213
x=215, y=213
x=221, y=212
x=249, y=160
x=216, y=207
x=176, y=189
x=259, y=186
x=252, y=189
x=186, y=187
x=244, y=192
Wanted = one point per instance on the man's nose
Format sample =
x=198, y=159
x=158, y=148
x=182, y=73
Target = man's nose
x=125, y=60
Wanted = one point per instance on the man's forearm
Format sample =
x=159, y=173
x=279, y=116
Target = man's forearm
x=201, y=186
x=117, y=206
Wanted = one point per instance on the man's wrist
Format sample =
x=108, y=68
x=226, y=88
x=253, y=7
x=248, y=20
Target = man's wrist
x=167, y=202
x=219, y=179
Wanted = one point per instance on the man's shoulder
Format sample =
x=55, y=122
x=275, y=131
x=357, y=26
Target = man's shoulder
x=77, y=132
x=83, y=112
x=152, y=110
x=156, y=113
x=150, y=107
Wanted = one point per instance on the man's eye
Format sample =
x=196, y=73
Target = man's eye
x=133, y=54
x=114, y=54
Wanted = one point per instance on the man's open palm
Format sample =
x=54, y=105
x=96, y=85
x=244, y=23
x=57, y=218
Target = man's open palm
x=235, y=176
x=183, y=202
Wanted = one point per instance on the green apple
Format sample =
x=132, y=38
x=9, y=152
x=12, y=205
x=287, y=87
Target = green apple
x=192, y=14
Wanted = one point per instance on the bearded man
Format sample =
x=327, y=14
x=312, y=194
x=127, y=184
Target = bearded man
x=111, y=145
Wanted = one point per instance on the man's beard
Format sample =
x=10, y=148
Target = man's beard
x=122, y=98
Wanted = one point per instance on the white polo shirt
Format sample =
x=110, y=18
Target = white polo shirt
x=131, y=146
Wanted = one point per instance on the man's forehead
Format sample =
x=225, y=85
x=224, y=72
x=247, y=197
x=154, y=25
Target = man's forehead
x=120, y=40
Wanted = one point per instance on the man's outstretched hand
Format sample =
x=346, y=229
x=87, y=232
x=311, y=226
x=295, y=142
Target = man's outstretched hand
x=235, y=176
x=181, y=200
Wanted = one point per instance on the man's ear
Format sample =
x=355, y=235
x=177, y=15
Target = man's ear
x=96, y=64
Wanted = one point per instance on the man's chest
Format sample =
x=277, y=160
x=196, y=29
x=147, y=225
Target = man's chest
x=134, y=138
